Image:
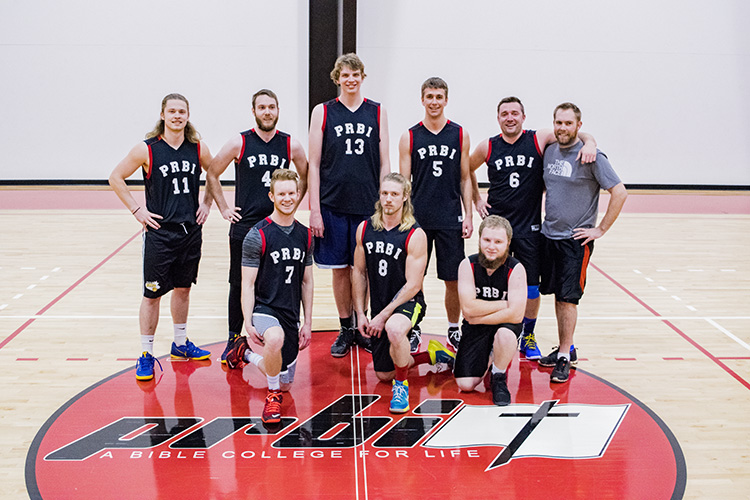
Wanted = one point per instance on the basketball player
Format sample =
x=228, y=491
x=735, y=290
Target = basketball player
x=390, y=260
x=276, y=276
x=256, y=154
x=348, y=156
x=434, y=154
x=569, y=228
x=514, y=170
x=171, y=159
x=492, y=290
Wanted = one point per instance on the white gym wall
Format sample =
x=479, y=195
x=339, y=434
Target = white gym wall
x=663, y=86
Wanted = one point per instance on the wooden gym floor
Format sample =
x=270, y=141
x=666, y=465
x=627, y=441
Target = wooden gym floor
x=666, y=316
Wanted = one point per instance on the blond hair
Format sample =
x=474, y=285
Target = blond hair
x=407, y=213
x=191, y=134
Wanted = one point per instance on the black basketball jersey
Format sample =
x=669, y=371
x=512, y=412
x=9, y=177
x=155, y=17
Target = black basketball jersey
x=278, y=285
x=516, y=183
x=350, y=158
x=252, y=173
x=492, y=286
x=436, y=175
x=173, y=181
x=385, y=257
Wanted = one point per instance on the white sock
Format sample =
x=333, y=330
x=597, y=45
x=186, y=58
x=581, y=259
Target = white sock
x=452, y=325
x=565, y=355
x=180, y=334
x=253, y=357
x=147, y=344
x=273, y=383
x=495, y=369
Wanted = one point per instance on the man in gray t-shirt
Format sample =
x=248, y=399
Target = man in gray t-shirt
x=570, y=228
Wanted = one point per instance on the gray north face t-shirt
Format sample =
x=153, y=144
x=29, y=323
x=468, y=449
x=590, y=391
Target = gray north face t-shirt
x=572, y=198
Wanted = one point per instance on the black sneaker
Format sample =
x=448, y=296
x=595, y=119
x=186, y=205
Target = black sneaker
x=561, y=371
x=551, y=359
x=361, y=341
x=454, y=337
x=343, y=343
x=415, y=339
x=500, y=392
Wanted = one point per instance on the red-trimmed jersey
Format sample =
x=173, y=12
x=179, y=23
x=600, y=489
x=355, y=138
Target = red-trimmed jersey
x=172, y=183
x=350, y=157
x=436, y=175
x=252, y=173
x=516, y=183
x=385, y=258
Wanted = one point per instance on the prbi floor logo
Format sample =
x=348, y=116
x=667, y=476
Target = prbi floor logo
x=195, y=432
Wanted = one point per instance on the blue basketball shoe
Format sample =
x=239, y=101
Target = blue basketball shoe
x=189, y=351
x=400, y=400
x=144, y=367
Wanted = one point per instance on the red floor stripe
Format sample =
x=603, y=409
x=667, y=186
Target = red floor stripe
x=677, y=330
x=66, y=292
x=27, y=359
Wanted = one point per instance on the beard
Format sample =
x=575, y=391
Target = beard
x=265, y=128
x=492, y=264
x=565, y=139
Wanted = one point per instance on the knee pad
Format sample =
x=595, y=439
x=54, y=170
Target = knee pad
x=533, y=291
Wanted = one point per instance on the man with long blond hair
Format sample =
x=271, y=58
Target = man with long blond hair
x=171, y=159
x=390, y=260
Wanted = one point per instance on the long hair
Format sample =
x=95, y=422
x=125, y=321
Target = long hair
x=191, y=134
x=407, y=213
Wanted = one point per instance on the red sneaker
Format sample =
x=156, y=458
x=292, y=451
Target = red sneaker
x=272, y=408
x=236, y=351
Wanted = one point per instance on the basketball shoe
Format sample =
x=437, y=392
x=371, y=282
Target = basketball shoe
x=454, y=337
x=400, y=400
x=527, y=345
x=144, y=367
x=272, y=408
x=343, y=342
x=415, y=339
x=439, y=354
x=236, y=351
x=189, y=351
x=500, y=392
x=551, y=359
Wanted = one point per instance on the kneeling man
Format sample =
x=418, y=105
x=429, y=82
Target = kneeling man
x=492, y=293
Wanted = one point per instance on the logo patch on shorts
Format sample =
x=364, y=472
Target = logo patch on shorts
x=152, y=286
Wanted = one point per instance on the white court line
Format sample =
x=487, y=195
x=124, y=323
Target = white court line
x=29, y=268
x=661, y=288
x=3, y=306
x=56, y=269
x=354, y=430
x=691, y=308
x=636, y=271
x=31, y=286
x=362, y=427
x=165, y=317
x=44, y=277
x=18, y=296
x=675, y=297
x=727, y=333
x=650, y=280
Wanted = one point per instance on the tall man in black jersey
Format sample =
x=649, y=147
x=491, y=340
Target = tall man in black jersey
x=276, y=276
x=492, y=290
x=390, y=260
x=514, y=170
x=434, y=154
x=171, y=159
x=256, y=154
x=348, y=157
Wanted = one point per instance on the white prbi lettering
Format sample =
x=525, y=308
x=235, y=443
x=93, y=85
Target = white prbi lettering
x=294, y=254
x=433, y=150
x=262, y=159
x=352, y=129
